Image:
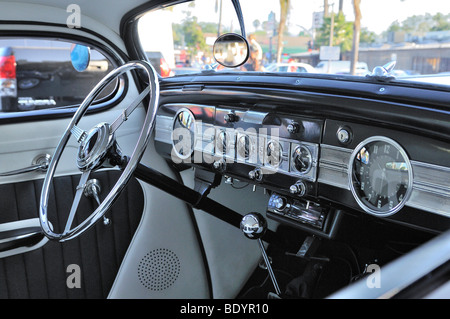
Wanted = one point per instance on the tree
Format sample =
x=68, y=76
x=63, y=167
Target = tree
x=342, y=33
x=193, y=36
x=284, y=10
x=356, y=35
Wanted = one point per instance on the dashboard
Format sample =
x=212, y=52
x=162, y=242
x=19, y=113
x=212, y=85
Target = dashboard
x=313, y=168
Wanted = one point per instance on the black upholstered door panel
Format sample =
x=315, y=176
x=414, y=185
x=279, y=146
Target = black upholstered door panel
x=43, y=273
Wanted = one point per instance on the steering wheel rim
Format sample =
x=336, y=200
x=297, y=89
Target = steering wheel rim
x=92, y=153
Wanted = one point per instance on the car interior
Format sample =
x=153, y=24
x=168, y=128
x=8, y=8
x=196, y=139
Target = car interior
x=120, y=182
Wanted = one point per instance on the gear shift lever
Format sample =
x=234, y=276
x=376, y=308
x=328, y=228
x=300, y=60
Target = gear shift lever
x=254, y=225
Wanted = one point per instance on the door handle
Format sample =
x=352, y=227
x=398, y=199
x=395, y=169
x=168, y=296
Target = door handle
x=21, y=236
x=40, y=163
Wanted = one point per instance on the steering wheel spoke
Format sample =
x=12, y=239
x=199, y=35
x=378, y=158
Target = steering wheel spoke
x=76, y=201
x=127, y=112
x=98, y=148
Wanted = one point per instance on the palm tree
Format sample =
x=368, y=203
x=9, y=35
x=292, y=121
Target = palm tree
x=356, y=35
x=284, y=9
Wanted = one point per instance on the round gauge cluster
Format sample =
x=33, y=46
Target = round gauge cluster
x=380, y=176
x=183, y=136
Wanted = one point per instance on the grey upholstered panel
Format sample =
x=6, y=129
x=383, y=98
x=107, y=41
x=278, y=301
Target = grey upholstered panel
x=42, y=273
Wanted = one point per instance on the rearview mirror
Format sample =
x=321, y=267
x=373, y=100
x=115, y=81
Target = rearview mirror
x=231, y=50
x=80, y=56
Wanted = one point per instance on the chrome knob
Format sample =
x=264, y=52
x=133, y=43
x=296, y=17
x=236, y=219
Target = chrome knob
x=293, y=128
x=253, y=225
x=219, y=165
x=256, y=174
x=231, y=117
x=298, y=188
x=279, y=203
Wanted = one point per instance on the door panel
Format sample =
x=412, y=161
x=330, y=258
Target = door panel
x=43, y=273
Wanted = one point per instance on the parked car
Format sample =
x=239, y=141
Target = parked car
x=239, y=187
x=39, y=74
x=159, y=63
x=341, y=67
x=289, y=67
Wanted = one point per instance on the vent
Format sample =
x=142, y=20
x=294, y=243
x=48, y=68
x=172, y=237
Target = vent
x=159, y=269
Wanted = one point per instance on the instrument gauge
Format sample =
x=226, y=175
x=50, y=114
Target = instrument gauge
x=380, y=176
x=183, y=134
x=243, y=146
x=274, y=152
x=221, y=142
x=302, y=159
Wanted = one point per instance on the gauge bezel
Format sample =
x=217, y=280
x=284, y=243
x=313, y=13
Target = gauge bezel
x=310, y=157
x=361, y=204
x=266, y=153
x=194, y=130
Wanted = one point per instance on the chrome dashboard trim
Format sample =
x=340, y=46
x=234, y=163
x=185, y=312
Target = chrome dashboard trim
x=430, y=188
x=333, y=166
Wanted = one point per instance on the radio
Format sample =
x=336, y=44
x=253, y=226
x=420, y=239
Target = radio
x=305, y=212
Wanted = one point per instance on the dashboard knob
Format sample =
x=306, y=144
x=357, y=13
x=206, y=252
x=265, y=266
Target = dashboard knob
x=255, y=174
x=231, y=117
x=298, y=188
x=279, y=203
x=219, y=165
x=293, y=128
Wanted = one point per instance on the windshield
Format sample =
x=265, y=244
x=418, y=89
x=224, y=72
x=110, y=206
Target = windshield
x=345, y=37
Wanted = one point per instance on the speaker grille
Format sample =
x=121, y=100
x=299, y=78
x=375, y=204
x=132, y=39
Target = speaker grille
x=159, y=269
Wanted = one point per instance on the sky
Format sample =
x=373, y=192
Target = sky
x=377, y=15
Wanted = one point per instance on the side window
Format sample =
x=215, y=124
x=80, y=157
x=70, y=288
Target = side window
x=37, y=74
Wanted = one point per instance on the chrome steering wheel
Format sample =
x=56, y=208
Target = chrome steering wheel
x=97, y=149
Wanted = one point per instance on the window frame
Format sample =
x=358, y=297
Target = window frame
x=111, y=52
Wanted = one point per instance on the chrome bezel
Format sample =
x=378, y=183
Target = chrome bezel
x=293, y=154
x=361, y=204
x=266, y=156
x=194, y=130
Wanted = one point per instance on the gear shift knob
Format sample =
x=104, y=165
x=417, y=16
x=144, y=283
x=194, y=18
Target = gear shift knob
x=253, y=225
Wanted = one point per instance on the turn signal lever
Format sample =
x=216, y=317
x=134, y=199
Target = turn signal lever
x=254, y=226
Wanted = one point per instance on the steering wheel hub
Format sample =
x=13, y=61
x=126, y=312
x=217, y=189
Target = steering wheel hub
x=94, y=147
